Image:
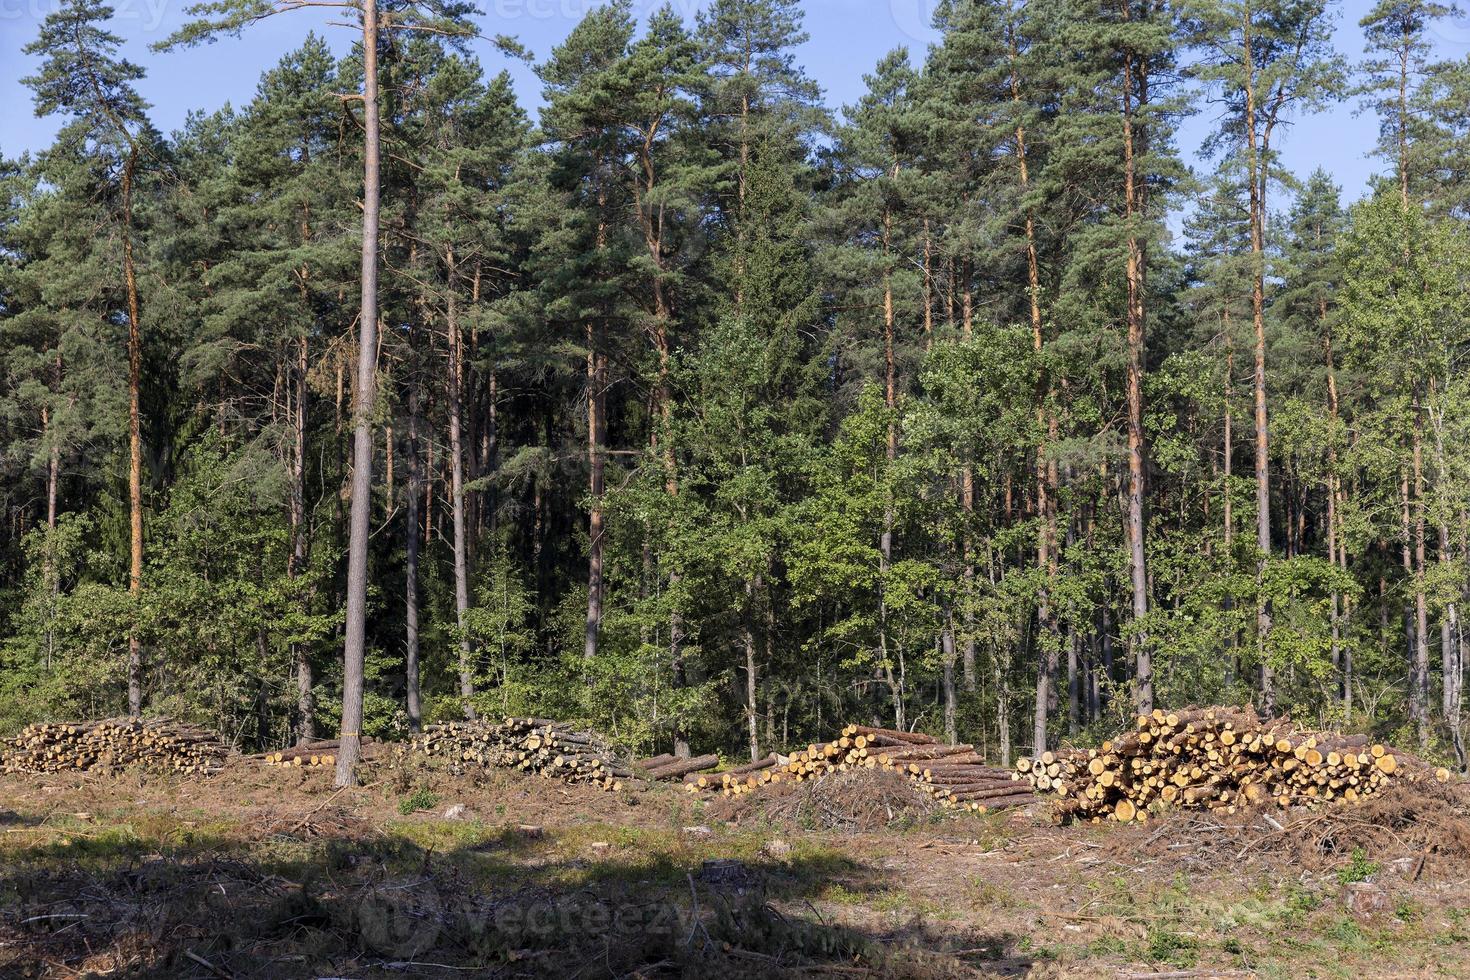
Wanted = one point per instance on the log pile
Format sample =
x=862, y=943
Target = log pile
x=1215, y=758
x=954, y=775
x=322, y=753
x=537, y=745
x=78, y=746
x=671, y=767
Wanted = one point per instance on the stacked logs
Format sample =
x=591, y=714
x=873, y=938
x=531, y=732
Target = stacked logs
x=323, y=753
x=670, y=767
x=1215, y=758
x=955, y=775
x=79, y=746
x=548, y=748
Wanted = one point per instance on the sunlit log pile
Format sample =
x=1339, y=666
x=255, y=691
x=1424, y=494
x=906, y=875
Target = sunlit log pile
x=955, y=775
x=537, y=745
x=1216, y=758
x=670, y=767
x=78, y=746
x=321, y=753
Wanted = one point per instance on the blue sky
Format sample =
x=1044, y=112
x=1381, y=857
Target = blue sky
x=847, y=39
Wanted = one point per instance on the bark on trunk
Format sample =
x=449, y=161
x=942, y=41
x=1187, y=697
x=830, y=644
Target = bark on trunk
x=596, y=371
x=411, y=565
x=456, y=489
x=1046, y=533
x=1138, y=639
x=947, y=654
x=48, y=571
x=967, y=501
x=296, y=564
x=1336, y=545
x=1418, y=674
x=135, y=438
x=1256, y=167
x=596, y=458
x=1421, y=608
x=751, y=685
x=363, y=396
x=885, y=540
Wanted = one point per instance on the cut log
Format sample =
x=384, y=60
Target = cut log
x=683, y=767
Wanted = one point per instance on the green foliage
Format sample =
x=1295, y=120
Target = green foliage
x=1358, y=868
x=419, y=800
x=828, y=372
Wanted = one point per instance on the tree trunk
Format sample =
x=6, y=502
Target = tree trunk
x=967, y=501
x=1256, y=175
x=296, y=563
x=48, y=571
x=596, y=405
x=1002, y=711
x=1046, y=534
x=596, y=458
x=53, y=470
x=364, y=394
x=456, y=489
x=751, y=684
x=1421, y=610
x=885, y=539
x=1418, y=672
x=947, y=656
x=1452, y=666
x=1336, y=546
x=490, y=464
x=411, y=564
x=651, y=217
x=135, y=439
x=1142, y=657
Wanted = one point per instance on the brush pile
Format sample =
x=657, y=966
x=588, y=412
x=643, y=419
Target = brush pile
x=550, y=748
x=1216, y=758
x=955, y=776
x=80, y=746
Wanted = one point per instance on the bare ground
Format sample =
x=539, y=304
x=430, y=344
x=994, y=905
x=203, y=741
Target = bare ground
x=264, y=872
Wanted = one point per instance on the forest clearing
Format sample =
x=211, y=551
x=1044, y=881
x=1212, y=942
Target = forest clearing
x=734, y=487
x=444, y=862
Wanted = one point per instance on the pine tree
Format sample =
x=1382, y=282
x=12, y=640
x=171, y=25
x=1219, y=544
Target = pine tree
x=754, y=92
x=1396, y=36
x=277, y=208
x=1311, y=272
x=213, y=19
x=1268, y=61
x=583, y=257
x=83, y=78
x=464, y=134
x=876, y=152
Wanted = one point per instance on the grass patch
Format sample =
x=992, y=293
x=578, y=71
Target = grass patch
x=1167, y=946
x=418, y=801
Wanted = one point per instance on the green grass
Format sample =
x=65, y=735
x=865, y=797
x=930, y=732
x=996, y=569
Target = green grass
x=419, y=800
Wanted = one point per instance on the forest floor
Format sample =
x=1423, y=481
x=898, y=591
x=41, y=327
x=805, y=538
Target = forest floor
x=269, y=872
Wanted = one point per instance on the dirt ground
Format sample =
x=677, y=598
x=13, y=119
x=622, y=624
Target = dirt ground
x=269, y=872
